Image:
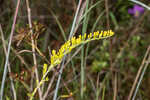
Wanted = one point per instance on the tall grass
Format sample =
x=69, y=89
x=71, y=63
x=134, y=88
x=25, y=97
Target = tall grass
x=83, y=68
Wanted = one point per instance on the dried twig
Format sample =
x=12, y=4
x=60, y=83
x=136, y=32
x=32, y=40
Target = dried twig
x=33, y=48
x=9, y=68
x=140, y=3
x=8, y=51
x=49, y=86
x=62, y=65
x=139, y=72
x=114, y=76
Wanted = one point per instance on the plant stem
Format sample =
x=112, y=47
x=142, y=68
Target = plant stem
x=8, y=51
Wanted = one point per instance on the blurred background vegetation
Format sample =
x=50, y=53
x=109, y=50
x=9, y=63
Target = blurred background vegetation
x=110, y=65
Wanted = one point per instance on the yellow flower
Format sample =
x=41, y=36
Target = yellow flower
x=56, y=57
x=105, y=33
x=100, y=35
x=84, y=36
x=73, y=42
x=96, y=34
x=111, y=33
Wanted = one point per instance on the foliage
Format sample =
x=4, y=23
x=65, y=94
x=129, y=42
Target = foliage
x=96, y=70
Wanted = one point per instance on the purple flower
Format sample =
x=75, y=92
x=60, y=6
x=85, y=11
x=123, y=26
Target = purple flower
x=136, y=10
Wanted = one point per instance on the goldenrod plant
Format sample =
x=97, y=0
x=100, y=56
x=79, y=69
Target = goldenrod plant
x=67, y=47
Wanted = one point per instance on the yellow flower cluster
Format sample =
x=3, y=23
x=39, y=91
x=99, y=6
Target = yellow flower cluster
x=56, y=57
